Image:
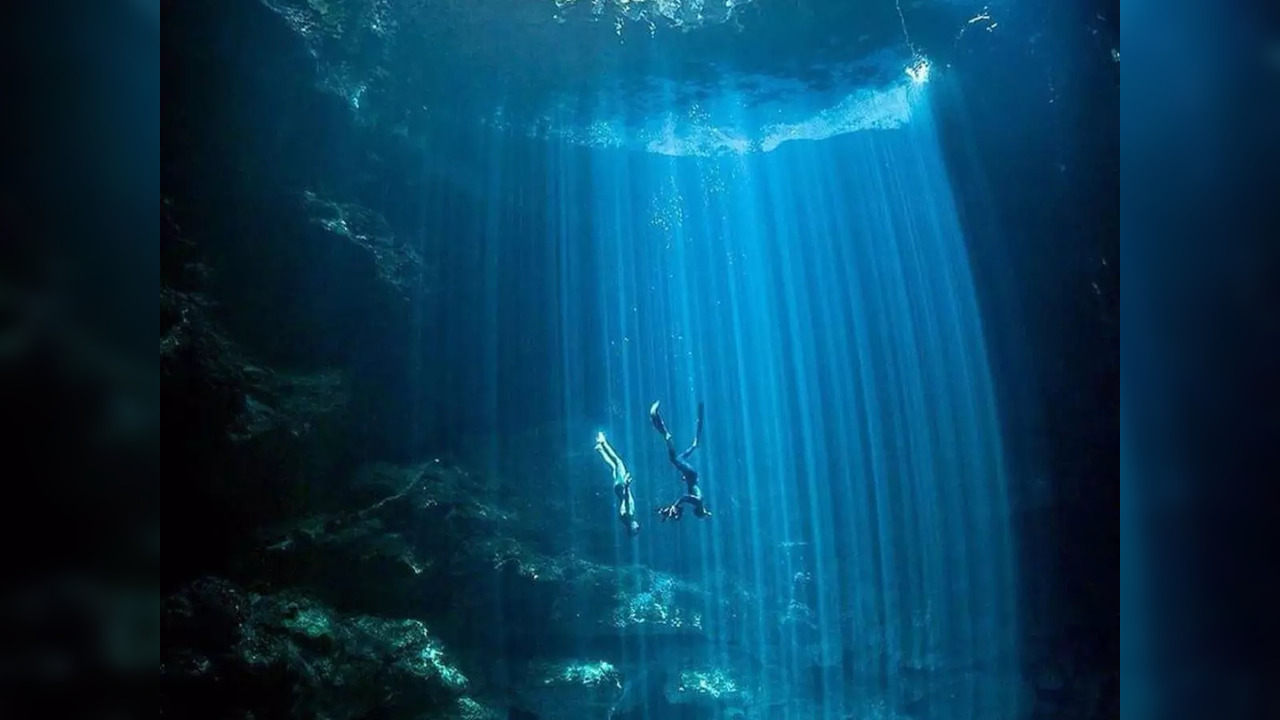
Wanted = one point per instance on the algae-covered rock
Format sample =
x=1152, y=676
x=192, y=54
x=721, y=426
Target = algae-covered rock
x=708, y=685
x=398, y=264
x=268, y=655
x=251, y=440
x=411, y=535
x=571, y=690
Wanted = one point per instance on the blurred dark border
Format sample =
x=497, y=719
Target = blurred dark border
x=79, y=281
x=1200, y=134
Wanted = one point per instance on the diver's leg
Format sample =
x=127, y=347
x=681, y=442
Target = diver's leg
x=687, y=471
x=656, y=419
x=602, y=447
x=620, y=473
x=697, y=432
x=615, y=461
x=697, y=435
x=674, y=456
x=607, y=458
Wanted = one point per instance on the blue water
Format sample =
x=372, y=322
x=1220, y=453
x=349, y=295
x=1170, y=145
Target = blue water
x=818, y=300
x=859, y=235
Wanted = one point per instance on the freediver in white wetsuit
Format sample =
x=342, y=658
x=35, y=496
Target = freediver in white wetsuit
x=621, y=485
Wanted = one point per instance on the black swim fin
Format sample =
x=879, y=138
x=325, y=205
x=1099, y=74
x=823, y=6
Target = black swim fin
x=657, y=419
x=697, y=430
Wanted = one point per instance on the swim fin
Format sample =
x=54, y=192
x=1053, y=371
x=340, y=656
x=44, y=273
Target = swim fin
x=657, y=419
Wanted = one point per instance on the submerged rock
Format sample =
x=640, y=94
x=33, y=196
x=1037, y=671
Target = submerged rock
x=416, y=536
x=231, y=653
x=571, y=690
x=257, y=401
x=398, y=264
x=707, y=685
x=253, y=438
x=213, y=376
x=719, y=690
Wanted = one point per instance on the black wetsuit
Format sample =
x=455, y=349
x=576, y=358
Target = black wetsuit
x=688, y=474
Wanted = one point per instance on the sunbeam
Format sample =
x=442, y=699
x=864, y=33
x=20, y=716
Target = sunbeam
x=818, y=301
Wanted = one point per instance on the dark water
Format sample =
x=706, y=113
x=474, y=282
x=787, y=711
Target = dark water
x=416, y=255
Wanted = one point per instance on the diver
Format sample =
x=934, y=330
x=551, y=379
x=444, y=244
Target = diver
x=693, y=493
x=621, y=485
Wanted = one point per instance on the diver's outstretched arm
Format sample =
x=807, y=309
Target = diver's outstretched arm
x=627, y=506
x=676, y=509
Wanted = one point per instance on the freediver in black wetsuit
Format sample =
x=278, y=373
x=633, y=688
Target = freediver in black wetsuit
x=693, y=493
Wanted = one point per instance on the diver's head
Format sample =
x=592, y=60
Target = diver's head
x=634, y=528
x=702, y=511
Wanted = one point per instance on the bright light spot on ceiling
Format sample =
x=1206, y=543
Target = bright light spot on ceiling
x=918, y=71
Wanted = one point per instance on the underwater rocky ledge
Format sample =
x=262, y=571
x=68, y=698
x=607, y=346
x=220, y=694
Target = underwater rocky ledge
x=298, y=587
x=411, y=591
x=300, y=584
